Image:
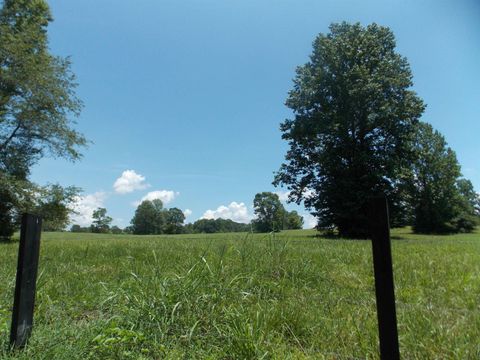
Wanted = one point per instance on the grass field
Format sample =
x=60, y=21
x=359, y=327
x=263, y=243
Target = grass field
x=243, y=296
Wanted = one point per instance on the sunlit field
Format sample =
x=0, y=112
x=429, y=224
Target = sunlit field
x=241, y=296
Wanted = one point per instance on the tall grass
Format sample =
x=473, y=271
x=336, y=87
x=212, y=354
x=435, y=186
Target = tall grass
x=242, y=296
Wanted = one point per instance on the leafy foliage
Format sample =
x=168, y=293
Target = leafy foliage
x=443, y=202
x=54, y=206
x=37, y=104
x=354, y=114
x=36, y=91
x=293, y=221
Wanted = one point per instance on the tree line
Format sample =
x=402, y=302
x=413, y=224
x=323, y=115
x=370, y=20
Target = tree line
x=151, y=218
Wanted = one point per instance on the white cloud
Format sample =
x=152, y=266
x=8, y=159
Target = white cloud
x=308, y=193
x=235, y=211
x=282, y=195
x=84, y=207
x=309, y=221
x=129, y=181
x=187, y=212
x=166, y=196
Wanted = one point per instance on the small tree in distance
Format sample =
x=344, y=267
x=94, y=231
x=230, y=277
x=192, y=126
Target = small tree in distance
x=101, y=222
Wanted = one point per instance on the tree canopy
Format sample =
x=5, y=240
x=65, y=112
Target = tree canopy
x=38, y=104
x=354, y=116
x=443, y=202
x=37, y=91
x=151, y=218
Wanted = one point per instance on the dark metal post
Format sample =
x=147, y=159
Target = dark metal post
x=24, y=302
x=384, y=288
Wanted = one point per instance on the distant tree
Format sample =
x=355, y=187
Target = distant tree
x=219, y=225
x=354, y=113
x=188, y=228
x=174, y=219
x=115, y=230
x=55, y=206
x=79, y=229
x=101, y=221
x=228, y=225
x=269, y=211
x=293, y=221
x=146, y=218
x=128, y=230
x=75, y=228
x=207, y=226
x=443, y=202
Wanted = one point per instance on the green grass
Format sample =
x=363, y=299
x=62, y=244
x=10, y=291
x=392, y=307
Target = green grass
x=239, y=296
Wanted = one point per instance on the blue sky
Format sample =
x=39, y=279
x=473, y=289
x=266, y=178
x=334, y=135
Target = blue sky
x=189, y=95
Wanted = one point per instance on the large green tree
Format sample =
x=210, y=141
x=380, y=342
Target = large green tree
x=354, y=114
x=442, y=201
x=37, y=100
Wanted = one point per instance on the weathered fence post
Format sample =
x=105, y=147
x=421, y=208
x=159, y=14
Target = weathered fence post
x=384, y=288
x=24, y=301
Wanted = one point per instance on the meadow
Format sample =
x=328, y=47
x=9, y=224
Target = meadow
x=292, y=295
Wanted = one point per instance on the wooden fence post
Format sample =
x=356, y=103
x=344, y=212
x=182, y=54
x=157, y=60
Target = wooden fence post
x=384, y=288
x=27, y=268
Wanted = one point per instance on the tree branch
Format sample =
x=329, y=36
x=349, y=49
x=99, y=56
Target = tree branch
x=12, y=135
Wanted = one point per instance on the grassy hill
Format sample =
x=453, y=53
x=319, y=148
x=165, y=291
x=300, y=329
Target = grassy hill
x=243, y=296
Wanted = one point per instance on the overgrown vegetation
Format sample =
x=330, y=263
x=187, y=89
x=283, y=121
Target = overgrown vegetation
x=288, y=295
